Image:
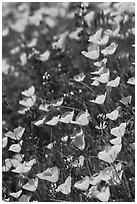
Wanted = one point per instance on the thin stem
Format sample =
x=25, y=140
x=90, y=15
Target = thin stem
x=119, y=178
x=83, y=84
x=86, y=86
x=122, y=161
x=8, y=104
x=88, y=168
x=127, y=184
x=80, y=100
x=113, y=165
x=71, y=108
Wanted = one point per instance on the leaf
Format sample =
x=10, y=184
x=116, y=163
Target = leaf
x=50, y=22
x=79, y=140
x=20, y=168
x=67, y=117
x=53, y=121
x=126, y=100
x=65, y=188
x=45, y=56
x=40, y=122
x=119, y=131
x=109, y=155
x=24, y=198
x=114, y=83
x=4, y=142
x=5, y=66
x=17, y=194
x=23, y=59
x=103, y=195
x=57, y=102
x=94, y=54
x=101, y=63
x=110, y=50
x=102, y=70
x=122, y=7
x=30, y=92
x=7, y=165
x=28, y=102
x=18, y=157
x=16, y=134
x=6, y=199
x=65, y=138
x=131, y=81
x=5, y=32
x=117, y=178
x=25, y=167
x=60, y=43
x=35, y=19
x=95, y=83
x=32, y=42
x=95, y=179
x=116, y=141
x=89, y=17
x=31, y=162
x=110, y=176
x=16, y=147
x=23, y=111
x=113, y=33
x=83, y=184
x=100, y=99
x=50, y=174
x=44, y=107
x=104, y=40
x=50, y=145
x=79, y=162
x=83, y=118
x=91, y=191
x=113, y=115
x=104, y=78
x=96, y=37
x=80, y=77
x=16, y=160
x=32, y=185
x=75, y=34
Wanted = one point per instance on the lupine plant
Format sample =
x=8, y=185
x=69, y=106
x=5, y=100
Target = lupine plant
x=68, y=102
